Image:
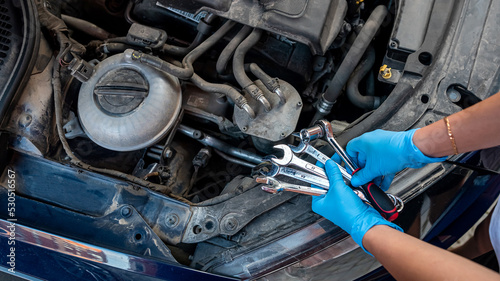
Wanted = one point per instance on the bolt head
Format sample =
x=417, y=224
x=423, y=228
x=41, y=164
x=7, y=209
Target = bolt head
x=126, y=212
x=454, y=96
x=172, y=220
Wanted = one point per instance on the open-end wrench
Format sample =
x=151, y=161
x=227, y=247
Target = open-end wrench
x=378, y=199
x=274, y=186
x=289, y=158
x=320, y=156
x=275, y=170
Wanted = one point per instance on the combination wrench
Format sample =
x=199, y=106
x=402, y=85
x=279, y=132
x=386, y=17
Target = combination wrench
x=386, y=205
x=275, y=186
x=274, y=170
x=320, y=156
x=289, y=158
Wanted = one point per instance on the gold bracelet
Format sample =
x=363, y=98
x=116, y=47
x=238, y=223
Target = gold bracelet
x=450, y=134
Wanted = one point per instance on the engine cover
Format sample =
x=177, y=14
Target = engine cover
x=315, y=23
x=126, y=105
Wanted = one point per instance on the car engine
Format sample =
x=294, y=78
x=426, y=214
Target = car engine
x=185, y=98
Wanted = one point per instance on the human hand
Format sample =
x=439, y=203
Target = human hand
x=384, y=153
x=343, y=207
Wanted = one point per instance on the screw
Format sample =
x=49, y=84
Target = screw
x=172, y=220
x=126, y=212
x=244, y=129
x=299, y=104
x=385, y=71
x=231, y=224
x=167, y=153
x=393, y=44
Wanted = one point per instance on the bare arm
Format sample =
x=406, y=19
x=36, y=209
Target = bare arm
x=474, y=128
x=408, y=258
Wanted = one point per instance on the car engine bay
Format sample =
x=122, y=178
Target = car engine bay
x=183, y=99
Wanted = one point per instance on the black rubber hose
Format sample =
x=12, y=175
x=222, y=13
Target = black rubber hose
x=270, y=83
x=181, y=51
x=156, y=62
x=239, y=58
x=352, y=91
x=186, y=71
x=239, y=68
x=188, y=60
x=227, y=90
x=109, y=48
x=122, y=39
x=204, y=27
x=354, y=55
x=229, y=50
x=87, y=27
x=391, y=105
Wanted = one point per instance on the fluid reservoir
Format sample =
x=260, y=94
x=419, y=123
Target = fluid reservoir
x=126, y=105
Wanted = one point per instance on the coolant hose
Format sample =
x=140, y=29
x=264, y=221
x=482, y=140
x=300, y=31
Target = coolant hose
x=272, y=84
x=350, y=61
x=227, y=90
x=189, y=59
x=228, y=51
x=87, y=27
x=352, y=91
x=204, y=27
x=186, y=71
x=239, y=68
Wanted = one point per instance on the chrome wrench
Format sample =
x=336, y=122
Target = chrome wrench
x=276, y=170
x=383, y=203
x=289, y=158
x=320, y=156
x=274, y=186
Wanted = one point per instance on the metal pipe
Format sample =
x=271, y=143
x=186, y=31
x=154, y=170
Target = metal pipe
x=220, y=145
x=234, y=160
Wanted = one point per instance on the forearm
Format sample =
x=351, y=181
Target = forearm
x=408, y=258
x=474, y=128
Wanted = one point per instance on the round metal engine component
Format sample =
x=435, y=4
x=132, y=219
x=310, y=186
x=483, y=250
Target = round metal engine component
x=127, y=105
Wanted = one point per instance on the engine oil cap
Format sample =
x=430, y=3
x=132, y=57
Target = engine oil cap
x=127, y=105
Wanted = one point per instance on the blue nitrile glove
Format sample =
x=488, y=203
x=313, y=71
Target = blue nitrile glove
x=384, y=153
x=343, y=207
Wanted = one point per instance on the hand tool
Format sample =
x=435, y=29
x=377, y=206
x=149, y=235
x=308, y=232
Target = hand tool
x=318, y=155
x=289, y=158
x=274, y=186
x=274, y=170
x=322, y=158
x=378, y=199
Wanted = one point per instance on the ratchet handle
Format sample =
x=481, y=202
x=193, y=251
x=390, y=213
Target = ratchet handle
x=380, y=201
